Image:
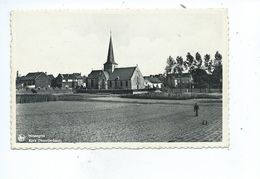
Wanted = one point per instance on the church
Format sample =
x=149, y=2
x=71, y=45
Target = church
x=112, y=77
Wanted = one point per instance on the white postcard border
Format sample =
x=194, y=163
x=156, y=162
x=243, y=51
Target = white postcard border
x=126, y=145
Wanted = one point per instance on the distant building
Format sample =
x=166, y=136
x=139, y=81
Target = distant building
x=126, y=78
x=51, y=80
x=34, y=80
x=97, y=79
x=80, y=79
x=68, y=80
x=19, y=81
x=152, y=82
x=175, y=80
x=113, y=77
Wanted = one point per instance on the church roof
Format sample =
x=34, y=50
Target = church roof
x=122, y=73
x=97, y=73
x=110, y=54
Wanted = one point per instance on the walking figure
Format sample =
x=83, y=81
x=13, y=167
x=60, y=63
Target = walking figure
x=196, y=109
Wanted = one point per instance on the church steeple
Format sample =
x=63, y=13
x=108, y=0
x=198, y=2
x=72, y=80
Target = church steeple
x=110, y=55
x=110, y=65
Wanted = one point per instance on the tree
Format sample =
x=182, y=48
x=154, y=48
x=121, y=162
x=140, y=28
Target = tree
x=169, y=66
x=178, y=69
x=207, y=62
x=189, y=60
x=169, y=70
x=198, y=64
x=194, y=66
x=200, y=77
x=217, y=73
x=198, y=60
x=218, y=59
x=208, y=67
x=179, y=66
x=217, y=77
x=189, y=64
x=199, y=69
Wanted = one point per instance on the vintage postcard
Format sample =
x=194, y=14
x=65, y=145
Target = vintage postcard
x=119, y=79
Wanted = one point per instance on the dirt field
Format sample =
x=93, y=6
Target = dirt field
x=121, y=120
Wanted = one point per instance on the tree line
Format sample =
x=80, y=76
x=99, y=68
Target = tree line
x=206, y=72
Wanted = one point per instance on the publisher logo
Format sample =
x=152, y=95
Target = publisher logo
x=21, y=138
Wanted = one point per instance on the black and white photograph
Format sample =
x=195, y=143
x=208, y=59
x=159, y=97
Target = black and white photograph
x=119, y=78
x=140, y=89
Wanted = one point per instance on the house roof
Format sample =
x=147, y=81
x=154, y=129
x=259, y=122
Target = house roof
x=78, y=75
x=72, y=76
x=33, y=76
x=50, y=77
x=97, y=73
x=19, y=79
x=152, y=79
x=122, y=73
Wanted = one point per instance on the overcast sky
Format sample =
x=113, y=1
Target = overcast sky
x=77, y=41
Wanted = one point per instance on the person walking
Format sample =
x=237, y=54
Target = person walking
x=196, y=109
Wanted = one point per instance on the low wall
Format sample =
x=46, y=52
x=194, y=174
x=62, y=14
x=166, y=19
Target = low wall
x=182, y=96
x=114, y=91
x=194, y=90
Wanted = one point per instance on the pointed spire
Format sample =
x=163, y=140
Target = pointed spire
x=110, y=55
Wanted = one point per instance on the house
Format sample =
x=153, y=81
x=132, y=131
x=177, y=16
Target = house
x=51, y=80
x=80, y=79
x=34, y=80
x=152, y=82
x=175, y=80
x=68, y=80
x=19, y=82
x=113, y=77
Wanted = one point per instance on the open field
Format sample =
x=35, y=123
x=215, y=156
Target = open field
x=116, y=119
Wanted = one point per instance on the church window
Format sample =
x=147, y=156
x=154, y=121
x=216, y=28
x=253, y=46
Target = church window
x=126, y=83
x=121, y=83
